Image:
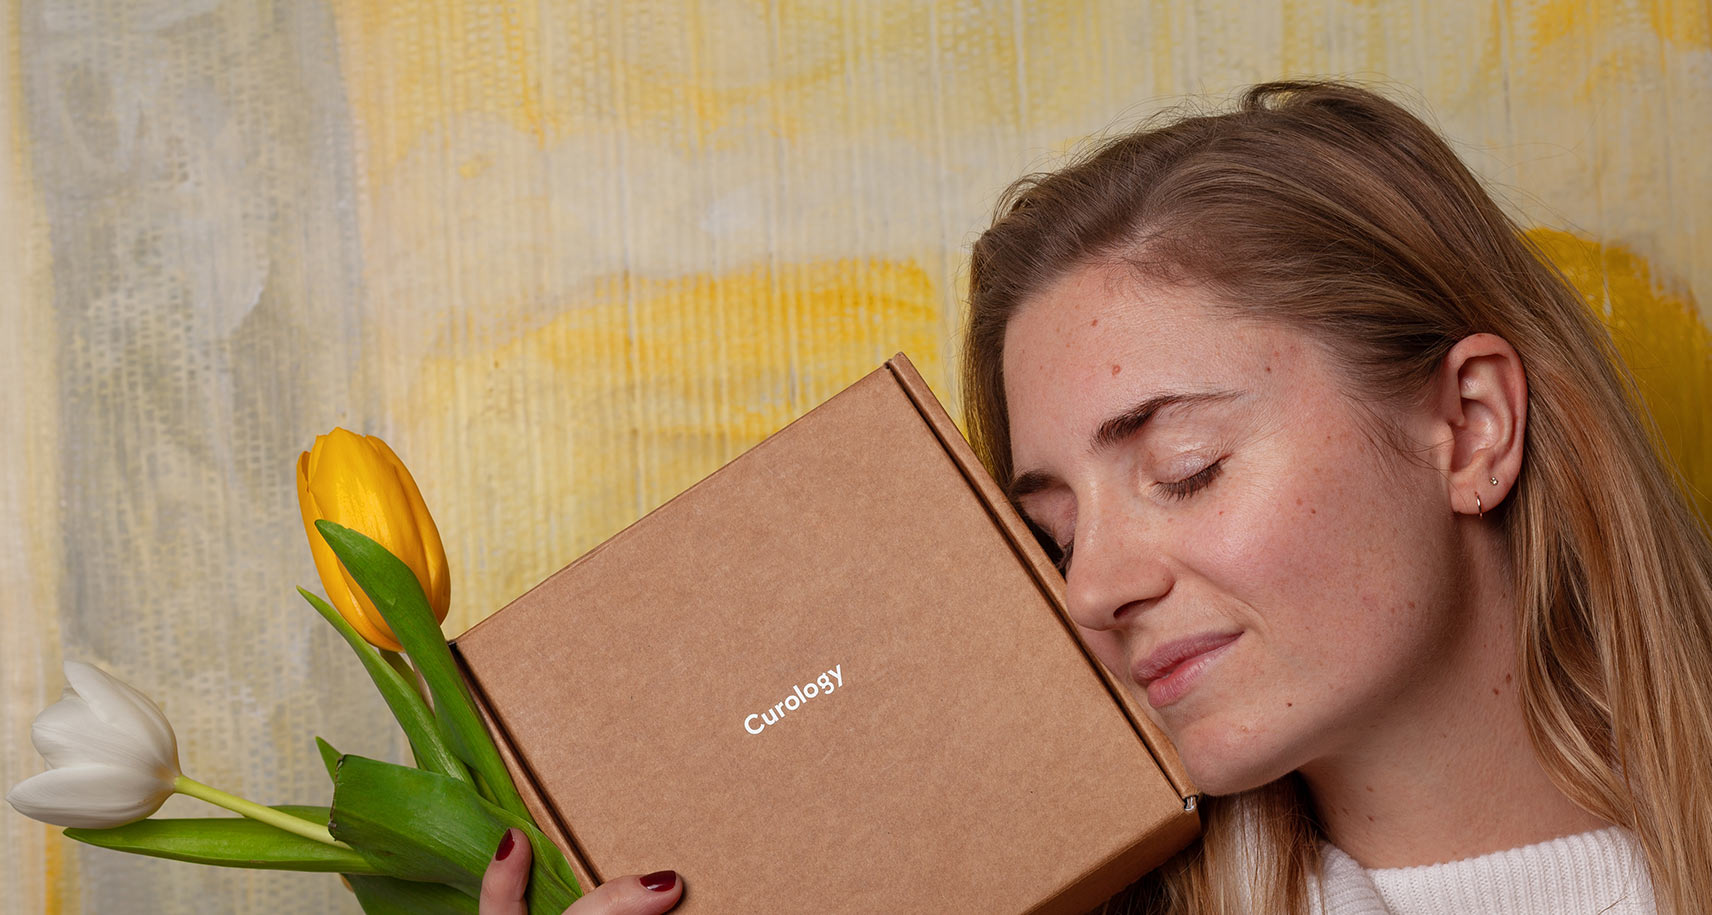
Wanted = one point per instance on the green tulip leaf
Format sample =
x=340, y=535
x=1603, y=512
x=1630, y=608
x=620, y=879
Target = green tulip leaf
x=230, y=842
x=396, y=593
x=390, y=896
x=547, y=854
x=397, y=662
x=427, y=742
x=329, y=757
x=423, y=826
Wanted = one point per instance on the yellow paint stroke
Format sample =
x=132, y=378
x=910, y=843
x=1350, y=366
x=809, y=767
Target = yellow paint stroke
x=38, y=854
x=1685, y=23
x=713, y=74
x=61, y=890
x=548, y=442
x=1660, y=335
x=1604, y=42
x=409, y=65
x=414, y=66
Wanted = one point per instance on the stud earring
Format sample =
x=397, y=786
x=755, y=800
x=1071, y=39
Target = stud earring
x=1494, y=480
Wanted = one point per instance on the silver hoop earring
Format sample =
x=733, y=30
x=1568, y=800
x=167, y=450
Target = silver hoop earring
x=1478, y=508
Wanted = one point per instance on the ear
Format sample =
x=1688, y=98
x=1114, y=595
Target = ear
x=1477, y=410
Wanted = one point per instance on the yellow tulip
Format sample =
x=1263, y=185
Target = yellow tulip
x=356, y=480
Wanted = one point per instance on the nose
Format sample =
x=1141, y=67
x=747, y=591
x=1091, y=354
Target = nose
x=1116, y=571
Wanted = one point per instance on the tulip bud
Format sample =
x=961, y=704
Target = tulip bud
x=112, y=757
x=356, y=481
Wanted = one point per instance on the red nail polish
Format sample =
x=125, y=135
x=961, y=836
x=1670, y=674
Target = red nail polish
x=505, y=845
x=661, y=881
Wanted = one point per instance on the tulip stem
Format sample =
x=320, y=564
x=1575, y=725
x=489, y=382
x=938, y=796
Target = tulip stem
x=184, y=784
x=408, y=672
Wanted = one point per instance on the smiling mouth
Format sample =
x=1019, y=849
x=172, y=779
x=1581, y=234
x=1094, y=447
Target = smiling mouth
x=1172, y=669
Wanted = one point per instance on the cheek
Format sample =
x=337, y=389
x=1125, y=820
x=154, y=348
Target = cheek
x=1339, y=570
x=1268, y=540
x=1307, y=564
x=1304, y=523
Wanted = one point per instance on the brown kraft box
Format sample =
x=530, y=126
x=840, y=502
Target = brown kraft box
x=835, y=676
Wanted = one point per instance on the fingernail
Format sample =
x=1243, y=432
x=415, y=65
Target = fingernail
x=505, y=845
x=660, y=881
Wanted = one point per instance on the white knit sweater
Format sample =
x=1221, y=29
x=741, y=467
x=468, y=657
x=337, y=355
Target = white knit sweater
x=1603, y=871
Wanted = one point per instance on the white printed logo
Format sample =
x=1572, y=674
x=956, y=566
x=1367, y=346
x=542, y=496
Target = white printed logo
x=822, y=685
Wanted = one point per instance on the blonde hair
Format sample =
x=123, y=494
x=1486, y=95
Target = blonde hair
x=1329, y=209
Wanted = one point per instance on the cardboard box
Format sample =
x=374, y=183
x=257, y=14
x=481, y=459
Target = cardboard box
x=834, y=676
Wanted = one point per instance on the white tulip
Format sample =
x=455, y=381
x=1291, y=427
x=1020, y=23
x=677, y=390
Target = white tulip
x=112, y=757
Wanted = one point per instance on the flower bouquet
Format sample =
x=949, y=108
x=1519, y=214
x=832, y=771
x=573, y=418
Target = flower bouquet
x=406, y=839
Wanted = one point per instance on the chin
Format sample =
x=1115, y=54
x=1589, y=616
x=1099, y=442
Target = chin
x=1222, y=780
x=1219, y=765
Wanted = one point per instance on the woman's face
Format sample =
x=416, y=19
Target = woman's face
x=1267, y=578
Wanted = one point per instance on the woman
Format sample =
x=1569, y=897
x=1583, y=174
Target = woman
x=1351, y=487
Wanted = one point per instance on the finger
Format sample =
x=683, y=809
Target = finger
x=507, y=876
x=645, y=895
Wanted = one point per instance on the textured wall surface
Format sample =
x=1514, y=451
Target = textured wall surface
x=569, y=257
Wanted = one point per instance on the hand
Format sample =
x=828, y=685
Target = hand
x=508, y=874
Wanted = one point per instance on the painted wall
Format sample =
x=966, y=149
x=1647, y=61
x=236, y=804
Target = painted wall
x=570, y=257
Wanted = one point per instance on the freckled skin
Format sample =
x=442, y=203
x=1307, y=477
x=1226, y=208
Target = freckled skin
x=1314, y=591
x=1369, y=626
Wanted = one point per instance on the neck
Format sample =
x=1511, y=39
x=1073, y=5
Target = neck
x=1447, y=771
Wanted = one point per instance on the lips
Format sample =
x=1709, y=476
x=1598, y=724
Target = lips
x=1166, y=672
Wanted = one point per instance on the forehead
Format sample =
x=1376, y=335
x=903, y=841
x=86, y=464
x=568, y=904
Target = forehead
x=1099, y=340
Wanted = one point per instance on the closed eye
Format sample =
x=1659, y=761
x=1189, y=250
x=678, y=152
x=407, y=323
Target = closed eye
x=1058, y=553
x=1188, y=486
x=1062, y=558
x=1176, y=489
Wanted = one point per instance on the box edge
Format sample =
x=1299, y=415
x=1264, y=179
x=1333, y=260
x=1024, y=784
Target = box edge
x=1016, y=533
x=1099, y=883
x=867, y=378
x=546, y=816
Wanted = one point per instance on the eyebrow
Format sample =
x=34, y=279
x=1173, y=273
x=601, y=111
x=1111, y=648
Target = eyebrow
x=1117, y=429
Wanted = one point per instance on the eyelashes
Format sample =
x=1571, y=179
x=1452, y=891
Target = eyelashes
x=1057, y=552
x=1176, y=490
x=1188, y=486
x=1061, y=557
